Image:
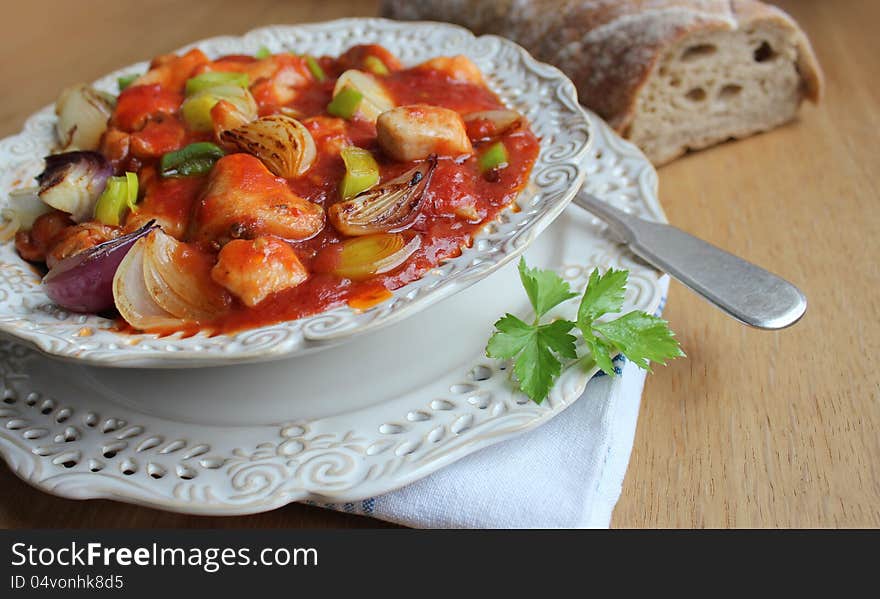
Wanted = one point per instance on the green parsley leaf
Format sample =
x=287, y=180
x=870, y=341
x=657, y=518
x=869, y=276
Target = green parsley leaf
x=642, y=338
x=539, y=349
x=537, y=366
x=510, y=338
x=601, y=352
x=555, y=336
x=545, y=288
x=604, y=294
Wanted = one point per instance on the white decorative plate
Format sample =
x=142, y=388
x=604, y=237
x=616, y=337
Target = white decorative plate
x=538, y=90
x=348, y=423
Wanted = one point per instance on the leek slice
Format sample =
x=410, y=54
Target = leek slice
x=345, y=103
x=361, y=171
x=119, y=196
x=315, y=69
x=375, y=65
x=495, y=157
x=213, y=79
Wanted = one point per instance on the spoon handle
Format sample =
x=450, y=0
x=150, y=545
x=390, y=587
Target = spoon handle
x=745, y=291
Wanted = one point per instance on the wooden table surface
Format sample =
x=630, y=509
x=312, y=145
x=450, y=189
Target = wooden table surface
x=754, y=429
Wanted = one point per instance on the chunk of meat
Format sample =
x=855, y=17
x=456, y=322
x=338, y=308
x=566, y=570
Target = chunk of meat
x=159, y=136
x=285, y=68
x=115, y=146
x=276, y=81
x=167, y=200
x=253, y=270
x=330, y=133
x=173, y=228
x=33, y=245
x=354, y=57
x=459, y=68
x=171, y=71
x=236, y=63
x=416, y=131
x=137, y=103
x=79, y=238
x=244, y=199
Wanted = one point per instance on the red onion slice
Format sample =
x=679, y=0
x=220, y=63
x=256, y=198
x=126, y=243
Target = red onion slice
x=84, y=282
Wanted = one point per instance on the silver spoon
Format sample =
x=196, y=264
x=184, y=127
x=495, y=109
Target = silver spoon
x=746, y=292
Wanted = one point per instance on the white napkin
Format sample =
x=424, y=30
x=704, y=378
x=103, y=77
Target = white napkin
x=566, y=473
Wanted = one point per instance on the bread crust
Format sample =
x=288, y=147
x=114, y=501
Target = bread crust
x=610, y=48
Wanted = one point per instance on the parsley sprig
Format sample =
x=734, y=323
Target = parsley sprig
x=539, y=348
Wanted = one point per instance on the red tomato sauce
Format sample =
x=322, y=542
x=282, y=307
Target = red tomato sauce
x=459, y=199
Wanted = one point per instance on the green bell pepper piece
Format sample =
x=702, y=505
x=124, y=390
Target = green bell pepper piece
x=194, y=159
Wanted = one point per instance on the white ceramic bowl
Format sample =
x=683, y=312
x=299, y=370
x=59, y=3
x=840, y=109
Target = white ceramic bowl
x=350, y=423
x=540, y=91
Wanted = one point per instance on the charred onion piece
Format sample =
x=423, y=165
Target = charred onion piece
x=184, y=289
x=132, y=297
x=163, y=283
x=390, y=207
x=73, y=181
x=83, y=113
x=283, y=144
x=84, y=282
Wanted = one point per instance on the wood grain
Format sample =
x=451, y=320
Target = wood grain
x=754, y=429
x=759, y=429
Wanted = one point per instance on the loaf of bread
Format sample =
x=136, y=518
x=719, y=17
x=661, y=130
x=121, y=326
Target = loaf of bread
x=670, y=75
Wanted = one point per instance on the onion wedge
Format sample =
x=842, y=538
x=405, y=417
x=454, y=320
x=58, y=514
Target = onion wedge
x=133, y=300
x=178, y=279
x=73, y=181
x=283, y=144
x=390, y=207
x=83, y=113
x=163, y=284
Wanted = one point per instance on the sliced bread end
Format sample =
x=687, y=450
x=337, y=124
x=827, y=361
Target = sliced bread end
x=713, y=85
